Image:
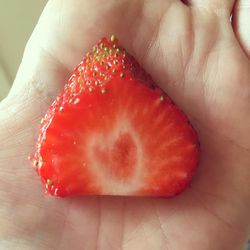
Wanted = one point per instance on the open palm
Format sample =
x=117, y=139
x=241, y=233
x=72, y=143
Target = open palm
x=193, y=54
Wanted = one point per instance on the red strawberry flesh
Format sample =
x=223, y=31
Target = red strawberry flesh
x=112, y=131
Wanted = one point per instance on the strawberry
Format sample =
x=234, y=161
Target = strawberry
x=112, y=131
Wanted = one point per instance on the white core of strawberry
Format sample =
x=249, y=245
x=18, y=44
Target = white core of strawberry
x=110, y=183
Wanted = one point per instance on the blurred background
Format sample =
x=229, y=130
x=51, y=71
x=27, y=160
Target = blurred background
x=17, y=21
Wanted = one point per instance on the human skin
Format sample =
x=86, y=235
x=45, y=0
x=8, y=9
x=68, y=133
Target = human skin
x=201, y=60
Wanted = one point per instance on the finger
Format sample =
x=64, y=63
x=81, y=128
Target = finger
x=241, y=24
x=217, y=6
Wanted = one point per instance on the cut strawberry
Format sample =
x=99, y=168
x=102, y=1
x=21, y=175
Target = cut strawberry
x=112, y=131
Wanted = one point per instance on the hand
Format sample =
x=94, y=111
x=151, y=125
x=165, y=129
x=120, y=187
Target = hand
x=203, y=64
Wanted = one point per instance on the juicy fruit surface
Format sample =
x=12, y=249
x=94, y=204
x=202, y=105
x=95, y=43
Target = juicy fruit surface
x=112, y=131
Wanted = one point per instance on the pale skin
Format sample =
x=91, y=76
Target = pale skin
x=201, y=60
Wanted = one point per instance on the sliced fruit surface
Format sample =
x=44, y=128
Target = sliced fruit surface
x=112, y=131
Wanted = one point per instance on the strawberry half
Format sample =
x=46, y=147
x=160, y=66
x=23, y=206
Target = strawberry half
x=112, y=131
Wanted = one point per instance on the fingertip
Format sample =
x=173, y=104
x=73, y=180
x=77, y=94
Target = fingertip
x=241, y=24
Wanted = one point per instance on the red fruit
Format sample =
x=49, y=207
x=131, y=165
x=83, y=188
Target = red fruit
x=112, y=131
